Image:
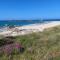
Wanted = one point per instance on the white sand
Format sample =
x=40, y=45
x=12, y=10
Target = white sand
x=30, y=28
x=40, y=27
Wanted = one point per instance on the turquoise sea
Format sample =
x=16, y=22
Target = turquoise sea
x=23, y=22
x=18, y=22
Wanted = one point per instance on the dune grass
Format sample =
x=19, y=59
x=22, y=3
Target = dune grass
x=38, y=46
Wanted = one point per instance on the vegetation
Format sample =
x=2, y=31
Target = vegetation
x=38, y=46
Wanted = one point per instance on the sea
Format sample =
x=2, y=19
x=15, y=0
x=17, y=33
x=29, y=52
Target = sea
x=19, y=22
x=4, y=23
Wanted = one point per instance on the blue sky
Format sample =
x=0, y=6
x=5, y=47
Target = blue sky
x=29, y=9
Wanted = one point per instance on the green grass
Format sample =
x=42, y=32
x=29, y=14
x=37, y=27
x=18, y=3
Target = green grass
x=39, y=46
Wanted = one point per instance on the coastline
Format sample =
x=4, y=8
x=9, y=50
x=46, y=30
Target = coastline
x=27, y=29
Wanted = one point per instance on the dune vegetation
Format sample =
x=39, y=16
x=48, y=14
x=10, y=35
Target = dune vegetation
x=38, y=46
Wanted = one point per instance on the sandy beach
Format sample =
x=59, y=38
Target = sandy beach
x=22, y=30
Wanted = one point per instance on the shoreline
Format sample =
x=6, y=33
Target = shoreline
x=27, y=29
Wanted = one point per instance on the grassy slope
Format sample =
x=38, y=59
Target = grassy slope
x=39, y=46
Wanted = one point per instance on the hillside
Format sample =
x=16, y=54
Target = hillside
x=38, y=46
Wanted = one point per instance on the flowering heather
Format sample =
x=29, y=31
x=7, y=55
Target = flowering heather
x=9, y=48
x=17, y=45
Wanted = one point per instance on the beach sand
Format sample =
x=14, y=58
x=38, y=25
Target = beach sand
x=22, y=30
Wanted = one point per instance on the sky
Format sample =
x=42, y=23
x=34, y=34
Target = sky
x=29, y=9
